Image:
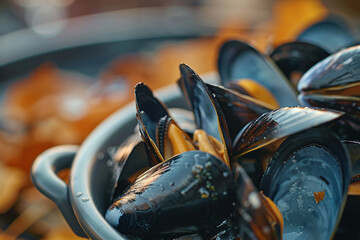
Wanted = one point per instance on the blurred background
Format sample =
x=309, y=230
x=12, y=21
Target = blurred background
x=65, y=65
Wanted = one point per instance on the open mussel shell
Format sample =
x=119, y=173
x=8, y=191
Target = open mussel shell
x=277, y=124
x=238, y=109
x=354, y=151
x=347, y=104
x=131, y=159
x=295, y=58
x=159, y=131
x=332, y=34
x=150, y=112
x=334, y=83
x=252, y=218
x=308, y=180
x=349, y=227
x=189, y=193
x=207, y=112
x=238, y=60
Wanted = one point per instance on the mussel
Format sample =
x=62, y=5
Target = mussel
x=208, y=115
x=295, y=58
x=349, y=227
x=188, y=193
x=257, y=216
x=334, y=83
x=158, y=129
x=131, y=159
x=219, y=111
x=241, y=64
x=308, y=180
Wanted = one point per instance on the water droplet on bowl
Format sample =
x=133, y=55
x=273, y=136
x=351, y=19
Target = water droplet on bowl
x=109, y=162
x=100, y=155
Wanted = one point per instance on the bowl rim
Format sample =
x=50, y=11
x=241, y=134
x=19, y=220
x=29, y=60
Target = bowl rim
x=131, y=24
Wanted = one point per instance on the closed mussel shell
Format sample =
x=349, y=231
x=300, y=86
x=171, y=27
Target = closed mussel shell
x=188, y=193
x=308, y=180
x=238, y=60
x=334, y=83
x=338, y=71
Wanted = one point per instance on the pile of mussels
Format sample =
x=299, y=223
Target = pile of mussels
x=270, y=153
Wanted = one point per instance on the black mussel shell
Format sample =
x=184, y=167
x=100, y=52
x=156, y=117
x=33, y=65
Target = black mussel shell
x=332, y=34
x=190, y=192
x=349, y=227
x=150, y=112
x=250, y=210
x=347, y=128
x=340, y=71
x=334, y=83
x=238, y=109
x=308, y=180
x=238, y=60
x=207, y=112
x=154, y=121
x=295, y=58
x=353, y=148
x=349, y=105
x=131, y=159
x=277, y=124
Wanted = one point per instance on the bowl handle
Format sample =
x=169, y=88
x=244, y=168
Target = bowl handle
x=44, y=178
